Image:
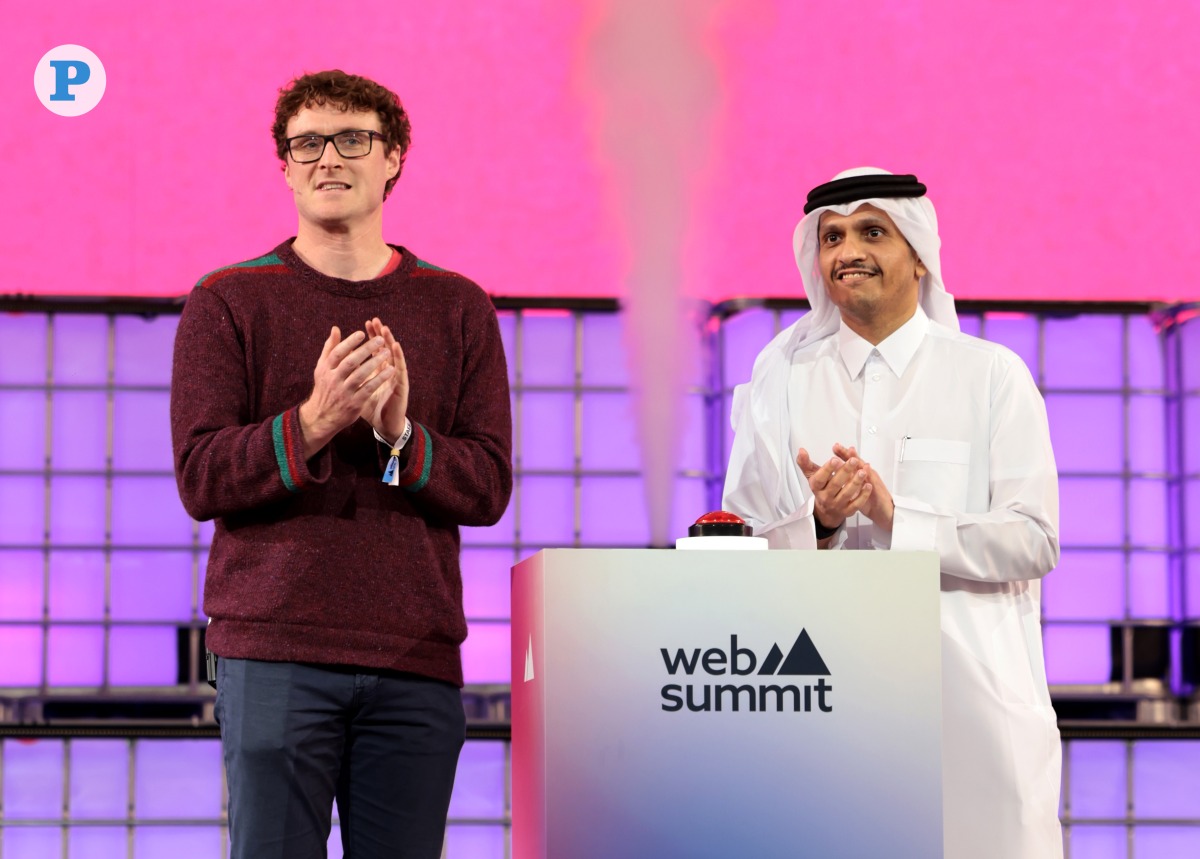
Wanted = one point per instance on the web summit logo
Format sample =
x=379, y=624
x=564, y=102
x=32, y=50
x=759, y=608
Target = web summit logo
x=802, y=660
x=69, y=80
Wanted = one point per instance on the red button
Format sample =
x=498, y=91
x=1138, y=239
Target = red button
x=721, y=516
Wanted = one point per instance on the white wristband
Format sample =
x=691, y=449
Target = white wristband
x=403, y=440
x=391, y=474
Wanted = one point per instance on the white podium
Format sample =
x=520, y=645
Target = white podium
x=732, y=705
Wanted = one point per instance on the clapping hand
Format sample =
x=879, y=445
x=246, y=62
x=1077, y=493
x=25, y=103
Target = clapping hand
x=387, y=407
x=841, y=487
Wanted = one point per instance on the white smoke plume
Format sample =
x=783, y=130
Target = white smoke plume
x=649, y=73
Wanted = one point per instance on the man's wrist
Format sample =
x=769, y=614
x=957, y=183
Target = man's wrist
x=824, y=532
x=310, y=433
x=889, y=517
x=402, y=440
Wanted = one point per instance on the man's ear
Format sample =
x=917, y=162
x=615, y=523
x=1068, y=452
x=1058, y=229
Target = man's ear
x=921, y=270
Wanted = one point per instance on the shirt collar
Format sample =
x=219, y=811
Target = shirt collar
x=897, y=350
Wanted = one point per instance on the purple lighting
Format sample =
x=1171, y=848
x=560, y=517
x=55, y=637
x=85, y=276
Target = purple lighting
x=76, y=656
x=1083, y=352
x=1086, y=586
x=166, y=772
x=139, y=444
x=81, y=350
x=23, y=360
x=21, y=596
x=609, y=433
x=1087, y=431
x=77, y=507
x=548, y=511
x=71, y=448
x=33, y=780
x=146, y=512
x=547, y=431
x=116, y=601
x=22, y=416
x=77, y=589
x=1018, y=332
x=152, y=585
x=22, y=649
x=1092, y=511
x=485, y=574
x=613, y=512
x=1097, y=772
x=485, y=653
x=22, y=500
x=1076, y=654
x=142, y=656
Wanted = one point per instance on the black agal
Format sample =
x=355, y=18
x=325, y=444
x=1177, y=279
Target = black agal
x=853, y=188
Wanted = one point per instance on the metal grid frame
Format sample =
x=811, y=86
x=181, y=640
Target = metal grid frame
x=1131, y=820
x=133, y=820
x=195, y=623
x=1172, y=391
x=194, y=689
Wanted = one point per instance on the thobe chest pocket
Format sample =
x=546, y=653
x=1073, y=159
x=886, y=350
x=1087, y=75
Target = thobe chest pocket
x=934, y=470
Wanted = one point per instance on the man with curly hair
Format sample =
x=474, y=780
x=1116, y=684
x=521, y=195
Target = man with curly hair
x=338, y=483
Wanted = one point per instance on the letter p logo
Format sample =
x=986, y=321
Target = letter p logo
x=69, y=80
x=66, y=73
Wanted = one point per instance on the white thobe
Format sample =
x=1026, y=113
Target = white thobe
x=957, y=431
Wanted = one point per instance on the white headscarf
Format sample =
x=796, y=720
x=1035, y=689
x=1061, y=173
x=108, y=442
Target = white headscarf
x=917, y=222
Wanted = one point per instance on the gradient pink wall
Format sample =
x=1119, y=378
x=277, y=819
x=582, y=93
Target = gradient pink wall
x=1057, y=139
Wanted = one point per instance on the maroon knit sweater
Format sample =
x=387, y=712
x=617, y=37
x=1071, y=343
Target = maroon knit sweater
x=320, y=561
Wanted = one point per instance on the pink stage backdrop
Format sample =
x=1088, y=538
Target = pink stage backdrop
x=1057, y=139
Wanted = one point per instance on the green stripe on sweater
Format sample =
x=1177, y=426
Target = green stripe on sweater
x=281, y=453
x=427, y=463
x=267, y=259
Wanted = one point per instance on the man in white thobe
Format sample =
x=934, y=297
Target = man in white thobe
x=873, y=423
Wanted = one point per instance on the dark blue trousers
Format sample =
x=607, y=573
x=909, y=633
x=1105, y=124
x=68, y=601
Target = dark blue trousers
x=295, y=737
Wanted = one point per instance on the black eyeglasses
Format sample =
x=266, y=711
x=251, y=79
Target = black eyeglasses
x=349, y=144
